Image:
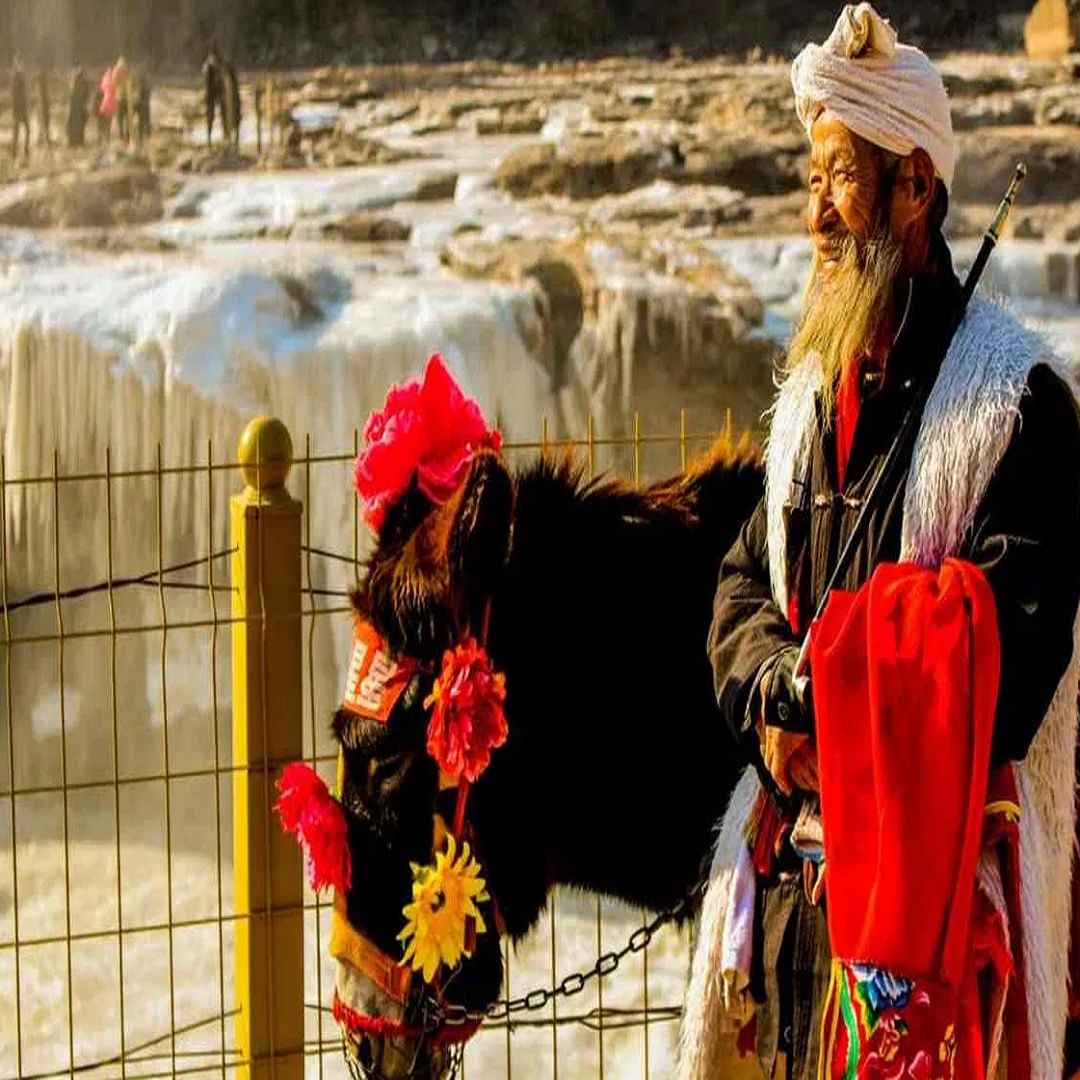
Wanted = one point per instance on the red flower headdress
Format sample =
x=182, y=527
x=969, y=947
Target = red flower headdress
x=427, y=428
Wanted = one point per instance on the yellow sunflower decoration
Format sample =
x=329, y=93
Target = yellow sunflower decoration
x=444, y=896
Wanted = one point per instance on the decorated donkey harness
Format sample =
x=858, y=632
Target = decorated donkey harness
x=429, y=432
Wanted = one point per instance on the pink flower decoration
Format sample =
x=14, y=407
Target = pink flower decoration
x=426, y=428
x=307, y=810
x=467, y=718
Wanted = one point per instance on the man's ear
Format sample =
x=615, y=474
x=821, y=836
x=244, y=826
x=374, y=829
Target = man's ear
x=912, y=192
x=479, y=537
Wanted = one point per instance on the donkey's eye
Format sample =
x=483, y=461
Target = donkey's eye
x=384, y=768
x=387, y=774
x=414, y=693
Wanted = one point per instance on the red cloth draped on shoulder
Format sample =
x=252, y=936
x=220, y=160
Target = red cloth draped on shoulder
x=905, y=679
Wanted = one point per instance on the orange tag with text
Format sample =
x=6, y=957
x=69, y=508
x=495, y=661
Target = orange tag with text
x=375, y=679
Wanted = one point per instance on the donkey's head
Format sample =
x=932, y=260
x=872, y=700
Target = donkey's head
x=426, y=590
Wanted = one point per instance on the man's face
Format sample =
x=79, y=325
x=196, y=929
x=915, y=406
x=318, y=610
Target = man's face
x=857, y=256
x=846, y=188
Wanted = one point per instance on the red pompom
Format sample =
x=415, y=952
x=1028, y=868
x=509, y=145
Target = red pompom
x=306, y=809
x=467, y=720
x=427, y=428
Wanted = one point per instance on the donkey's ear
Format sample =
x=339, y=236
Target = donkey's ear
x=479, y=537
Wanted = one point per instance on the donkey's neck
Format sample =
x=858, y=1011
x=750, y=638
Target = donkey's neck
x=617, y=766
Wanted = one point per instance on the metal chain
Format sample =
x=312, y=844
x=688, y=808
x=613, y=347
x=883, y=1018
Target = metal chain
x=456, y=1015
x=437, y=1015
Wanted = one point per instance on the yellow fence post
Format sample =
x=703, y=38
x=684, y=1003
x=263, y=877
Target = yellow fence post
x=267, y=731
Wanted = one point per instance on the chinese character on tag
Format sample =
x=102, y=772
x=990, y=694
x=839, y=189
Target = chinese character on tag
x=375, y=680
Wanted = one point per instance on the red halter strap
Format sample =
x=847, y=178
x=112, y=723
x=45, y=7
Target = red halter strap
x=381, y=1027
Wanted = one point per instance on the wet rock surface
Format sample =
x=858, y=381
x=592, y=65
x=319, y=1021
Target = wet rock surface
x=204, y=160
x=368, y=228
x=592, y=129
x=987, y=164
x=635, y=317
x=119, y=196
x=691, y=207
x=436, y=187
x=583, y=169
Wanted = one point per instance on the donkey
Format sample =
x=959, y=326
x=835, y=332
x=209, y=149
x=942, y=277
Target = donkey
x=596, y=598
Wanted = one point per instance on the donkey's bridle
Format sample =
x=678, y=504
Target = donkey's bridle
x=439, y=1023
x=446, y=1024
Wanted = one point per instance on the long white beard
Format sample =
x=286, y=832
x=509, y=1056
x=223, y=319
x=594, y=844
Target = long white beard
x=845, y=306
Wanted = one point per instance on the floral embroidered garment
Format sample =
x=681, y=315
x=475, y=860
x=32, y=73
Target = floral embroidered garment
x=882, y=1027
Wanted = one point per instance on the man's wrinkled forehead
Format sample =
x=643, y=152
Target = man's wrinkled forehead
x=831, y=139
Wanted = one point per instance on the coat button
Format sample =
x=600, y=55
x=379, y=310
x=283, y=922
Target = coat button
x=783, y=712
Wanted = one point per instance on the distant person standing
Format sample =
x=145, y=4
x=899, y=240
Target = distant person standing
x=107, y=108
x=231, y=106
x=20, y=109
x=44, y=108
x=95, y=111
x=214, y=89
x=258, y=118
x=122, y=81
x=142, y=108
x=78, y=100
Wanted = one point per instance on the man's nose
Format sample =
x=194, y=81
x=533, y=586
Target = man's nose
x=820, y=212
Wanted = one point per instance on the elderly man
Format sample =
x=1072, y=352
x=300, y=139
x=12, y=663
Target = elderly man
x=891, y=889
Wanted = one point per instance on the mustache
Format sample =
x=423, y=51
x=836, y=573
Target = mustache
x=839, y=241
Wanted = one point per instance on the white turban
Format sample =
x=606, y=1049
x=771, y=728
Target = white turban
x=889, y=94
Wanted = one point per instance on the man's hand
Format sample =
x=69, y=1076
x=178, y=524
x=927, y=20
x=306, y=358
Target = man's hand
x=778, y=694
x=789, y=755
x=790, y=758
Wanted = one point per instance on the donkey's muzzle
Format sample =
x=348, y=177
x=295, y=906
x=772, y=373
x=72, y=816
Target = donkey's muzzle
x=373, y=1057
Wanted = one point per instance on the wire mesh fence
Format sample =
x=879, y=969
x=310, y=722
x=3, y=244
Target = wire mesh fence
x=124, y=919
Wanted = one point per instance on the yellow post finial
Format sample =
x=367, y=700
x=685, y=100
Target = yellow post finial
x=266, y=456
